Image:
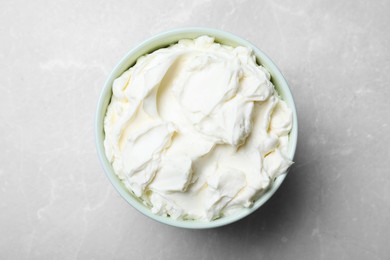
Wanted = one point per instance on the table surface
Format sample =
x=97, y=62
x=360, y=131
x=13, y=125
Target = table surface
x=56, y=202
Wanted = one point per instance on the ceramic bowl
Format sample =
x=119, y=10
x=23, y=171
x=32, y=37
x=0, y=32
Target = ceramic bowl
x=163, y=40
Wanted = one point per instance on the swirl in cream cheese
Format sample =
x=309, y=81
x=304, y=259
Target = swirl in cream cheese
x=196, y=130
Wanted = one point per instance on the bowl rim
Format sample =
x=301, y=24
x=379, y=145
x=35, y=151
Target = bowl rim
x=158, y=41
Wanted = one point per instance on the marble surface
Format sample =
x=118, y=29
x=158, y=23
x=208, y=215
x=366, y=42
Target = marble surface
x=56, y=202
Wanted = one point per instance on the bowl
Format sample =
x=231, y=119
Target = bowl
x=165, y=39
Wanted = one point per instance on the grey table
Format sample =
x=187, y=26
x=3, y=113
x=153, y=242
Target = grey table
x=55, y=201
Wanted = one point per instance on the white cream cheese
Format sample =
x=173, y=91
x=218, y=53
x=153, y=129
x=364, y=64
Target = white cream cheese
x=197, y=130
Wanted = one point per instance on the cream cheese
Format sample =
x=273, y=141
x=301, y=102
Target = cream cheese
x=196, y=130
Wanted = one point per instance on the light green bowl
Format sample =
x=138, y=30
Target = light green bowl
x=162, y=40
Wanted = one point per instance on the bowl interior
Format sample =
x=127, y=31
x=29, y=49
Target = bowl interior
x=163, y=40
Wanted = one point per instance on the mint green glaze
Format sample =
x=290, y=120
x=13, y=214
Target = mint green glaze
x=162, y=40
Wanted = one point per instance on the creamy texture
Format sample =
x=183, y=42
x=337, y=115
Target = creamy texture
x=197, y=130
